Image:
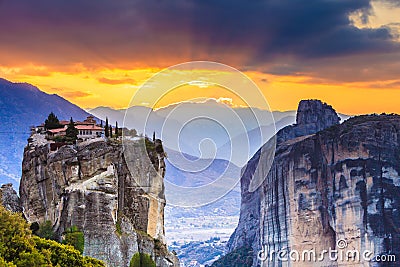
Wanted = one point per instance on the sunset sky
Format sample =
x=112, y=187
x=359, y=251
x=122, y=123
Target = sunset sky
x=98, y=53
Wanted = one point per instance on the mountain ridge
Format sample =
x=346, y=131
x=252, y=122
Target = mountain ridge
x=21, y=106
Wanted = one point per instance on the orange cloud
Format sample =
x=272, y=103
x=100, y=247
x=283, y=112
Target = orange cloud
x=283, y=92
x=116, y=81
x=75, y=94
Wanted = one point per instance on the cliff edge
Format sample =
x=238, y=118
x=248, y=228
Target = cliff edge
x=325, y=189
x=111, y=192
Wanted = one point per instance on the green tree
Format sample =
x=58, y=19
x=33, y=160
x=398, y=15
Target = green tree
x=16, y=244
x=141, y=260
x=111, y=134
x=18, y=247
x=46, y=231
x=106, y=130
x=240, y=257
x=63, y=255
x=75, y=238
x=116, y=129
x=52, y=122
x=72, y=132
x=6, y=264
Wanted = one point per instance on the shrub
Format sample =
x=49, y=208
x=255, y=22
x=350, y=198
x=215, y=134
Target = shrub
x=75, y=238
x=118, y=228
x=14, y=236
x=58, y=139
x=3, y=263
x=16, y=244
x=135, y=261
x=46, y=231
x=64, y=255
x=18, y=247
x=240, y=257
x=141, y=260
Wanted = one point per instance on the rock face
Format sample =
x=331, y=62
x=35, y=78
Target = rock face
x=312, y=116
x=111, y=192
x=9, y=198
x=338, y=185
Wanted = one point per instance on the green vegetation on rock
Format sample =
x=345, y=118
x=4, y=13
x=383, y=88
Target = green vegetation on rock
x=19, y=247
x=238, y=258
x=149, y=145
x=52, y=122
x=106, y=129
x=75, y=238
x=46, y=231
x=118, y=228
x=141, y=260
x=72, y=132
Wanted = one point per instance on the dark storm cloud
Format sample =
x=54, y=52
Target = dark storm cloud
x=300, y=28
x=248, y=33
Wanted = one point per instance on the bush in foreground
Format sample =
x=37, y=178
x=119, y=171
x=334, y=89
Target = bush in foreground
x=18, y=247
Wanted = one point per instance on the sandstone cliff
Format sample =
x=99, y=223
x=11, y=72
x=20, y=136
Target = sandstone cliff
x=111, y=192
x=312, y=116
x=9, y=198
x=341, y=183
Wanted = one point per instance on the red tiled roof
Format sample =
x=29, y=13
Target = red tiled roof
x=58, y=130
x=84, y=123
x=88, y=127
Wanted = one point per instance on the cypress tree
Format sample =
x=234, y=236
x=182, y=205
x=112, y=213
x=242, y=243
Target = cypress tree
x=106, y=131
x=52, y=122
x=111, y=134
x=71, y=131
x=116, y=129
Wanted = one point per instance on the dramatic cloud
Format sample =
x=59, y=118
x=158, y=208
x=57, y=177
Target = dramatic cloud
x=279, y=36
x=116, y=81
x=75, y=94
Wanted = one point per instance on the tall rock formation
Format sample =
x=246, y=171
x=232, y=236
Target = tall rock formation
x=327, y=189
x=312, y=116
x=9, y=198
x=111, y=192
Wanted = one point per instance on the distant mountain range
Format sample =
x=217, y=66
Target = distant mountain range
x=219, y=127
x=199, y=172
x=244, y=129
x=23, y=105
